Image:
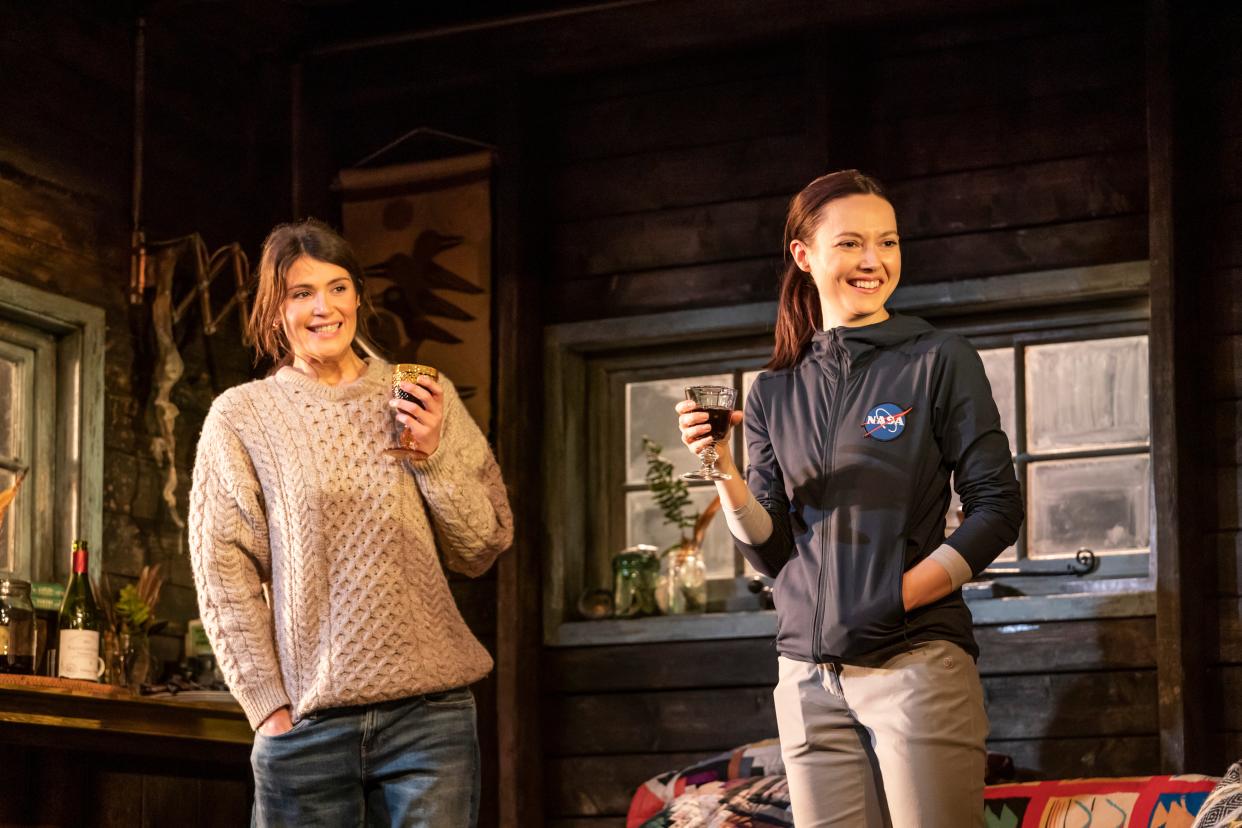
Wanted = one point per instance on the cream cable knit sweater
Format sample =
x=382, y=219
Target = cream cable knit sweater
x=291, y=490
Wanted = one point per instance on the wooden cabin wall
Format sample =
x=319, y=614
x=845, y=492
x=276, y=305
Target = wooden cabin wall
x=1219, y=179
x=65, y=166
x=1008, y=145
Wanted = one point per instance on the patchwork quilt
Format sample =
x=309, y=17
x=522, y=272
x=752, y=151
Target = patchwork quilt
x=746, y=787
x=1138, y=802
x=1223, y=808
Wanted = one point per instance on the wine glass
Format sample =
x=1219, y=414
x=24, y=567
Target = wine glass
x=408, y=372
x=718, y=402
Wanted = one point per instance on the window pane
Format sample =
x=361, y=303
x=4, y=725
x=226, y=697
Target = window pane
x=1083, y=395
x=1100, y=503
x=645, y=525
x=649, y=410
x=998, y=365
x=8, y=551
x=8, y=404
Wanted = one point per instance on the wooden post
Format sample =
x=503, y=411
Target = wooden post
x=519, y=397
x=1183, y=620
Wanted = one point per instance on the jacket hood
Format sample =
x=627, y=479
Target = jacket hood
x=895, y=330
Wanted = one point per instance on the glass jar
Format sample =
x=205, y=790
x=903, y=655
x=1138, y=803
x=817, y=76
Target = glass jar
x=634, y=572
x=17, y=628
x=682, y=583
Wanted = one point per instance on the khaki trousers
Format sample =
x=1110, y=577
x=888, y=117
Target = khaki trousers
x=899, y=745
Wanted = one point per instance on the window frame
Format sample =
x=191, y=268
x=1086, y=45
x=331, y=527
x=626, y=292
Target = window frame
x=1125, y=318
x=1100, y=296
x=64, y=490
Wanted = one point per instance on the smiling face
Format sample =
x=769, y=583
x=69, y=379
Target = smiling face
x=319, y=313
x=854, y=257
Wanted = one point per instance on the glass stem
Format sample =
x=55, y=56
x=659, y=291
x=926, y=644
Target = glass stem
x=709, y=456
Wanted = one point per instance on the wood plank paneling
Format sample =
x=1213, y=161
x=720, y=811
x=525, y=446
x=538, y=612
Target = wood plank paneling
x=727, y=111
x=677, y=72
x=626, y=294
x=1227, y=433
x=1066, y=646
x=1050, y=192
x=1230, y=632
x=603, y=785
x=1225, y=311
x=1028, y=249
x=169, y=800
x=1111, y=644
x=764, y=166
x=1015, y=132
x=747, y=229
x=1231, y=684
x=1040, y=705
x=682, y=721
x=992, y=73
x=1225, y=378
x=1069, y=758
x=1228, y=548
x=1229, y=493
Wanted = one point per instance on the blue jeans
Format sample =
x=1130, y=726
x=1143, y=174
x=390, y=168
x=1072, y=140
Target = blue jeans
x=411, y=762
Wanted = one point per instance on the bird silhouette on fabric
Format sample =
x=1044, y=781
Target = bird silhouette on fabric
x=402, y=312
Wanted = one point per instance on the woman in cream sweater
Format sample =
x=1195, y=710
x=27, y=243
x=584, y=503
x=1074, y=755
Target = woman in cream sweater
x=354, y=668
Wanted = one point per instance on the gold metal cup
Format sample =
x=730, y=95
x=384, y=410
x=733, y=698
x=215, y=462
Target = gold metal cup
x=408, y=372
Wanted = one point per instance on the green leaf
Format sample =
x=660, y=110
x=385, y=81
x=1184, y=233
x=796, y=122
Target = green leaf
x=671, y=493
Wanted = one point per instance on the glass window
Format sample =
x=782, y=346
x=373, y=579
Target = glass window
x=1079, y=431
x=1100, y=503
x=51, y=413
x=1087, y=395
x=16, y=433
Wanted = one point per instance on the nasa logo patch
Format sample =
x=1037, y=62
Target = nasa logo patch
x=885, y=422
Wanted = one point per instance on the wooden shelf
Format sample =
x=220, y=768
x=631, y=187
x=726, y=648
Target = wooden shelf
x=85, y=715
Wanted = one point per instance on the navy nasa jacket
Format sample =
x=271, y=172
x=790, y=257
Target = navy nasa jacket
x=851, y=452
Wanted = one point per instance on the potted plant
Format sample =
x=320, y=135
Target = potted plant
x=681, y=586
x=130, y=621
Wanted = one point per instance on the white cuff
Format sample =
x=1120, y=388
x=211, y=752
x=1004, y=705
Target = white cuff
x=750, y=523
x=953, y=563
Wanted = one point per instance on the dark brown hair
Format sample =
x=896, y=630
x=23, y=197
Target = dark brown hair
x=798, y=314
x=285, y=245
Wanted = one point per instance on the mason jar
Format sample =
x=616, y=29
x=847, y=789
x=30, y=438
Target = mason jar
x=17, y=628
x=634, y=572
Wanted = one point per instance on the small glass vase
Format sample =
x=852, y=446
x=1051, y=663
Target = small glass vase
x=136, y=653
x=113, y=657
x=634, y=575
x=681, y=587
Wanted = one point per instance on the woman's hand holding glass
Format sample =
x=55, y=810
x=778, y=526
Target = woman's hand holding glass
x=696, y=434
x=423, y=418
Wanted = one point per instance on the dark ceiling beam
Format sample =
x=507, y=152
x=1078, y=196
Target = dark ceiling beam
x=620, y=33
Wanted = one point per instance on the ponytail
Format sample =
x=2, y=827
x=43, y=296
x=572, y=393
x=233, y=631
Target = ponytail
x=799, y=315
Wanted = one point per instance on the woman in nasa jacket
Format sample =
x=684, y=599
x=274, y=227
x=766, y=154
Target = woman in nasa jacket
x=853, y=434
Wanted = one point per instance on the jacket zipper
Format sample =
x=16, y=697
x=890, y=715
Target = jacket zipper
x=827, y=461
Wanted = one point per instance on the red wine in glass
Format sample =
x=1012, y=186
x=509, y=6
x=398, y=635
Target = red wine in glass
x=718, y=419
x=718, y=401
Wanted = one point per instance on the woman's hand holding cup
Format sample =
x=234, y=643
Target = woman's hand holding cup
x=696, y=434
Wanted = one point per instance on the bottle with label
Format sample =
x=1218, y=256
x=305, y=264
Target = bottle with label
x=79, y=623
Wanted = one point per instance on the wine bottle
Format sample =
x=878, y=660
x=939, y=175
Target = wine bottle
x=79, y=623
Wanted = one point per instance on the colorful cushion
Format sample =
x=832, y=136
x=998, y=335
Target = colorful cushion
x=1138, y=802
x=1223, y=808
x=748, y=777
